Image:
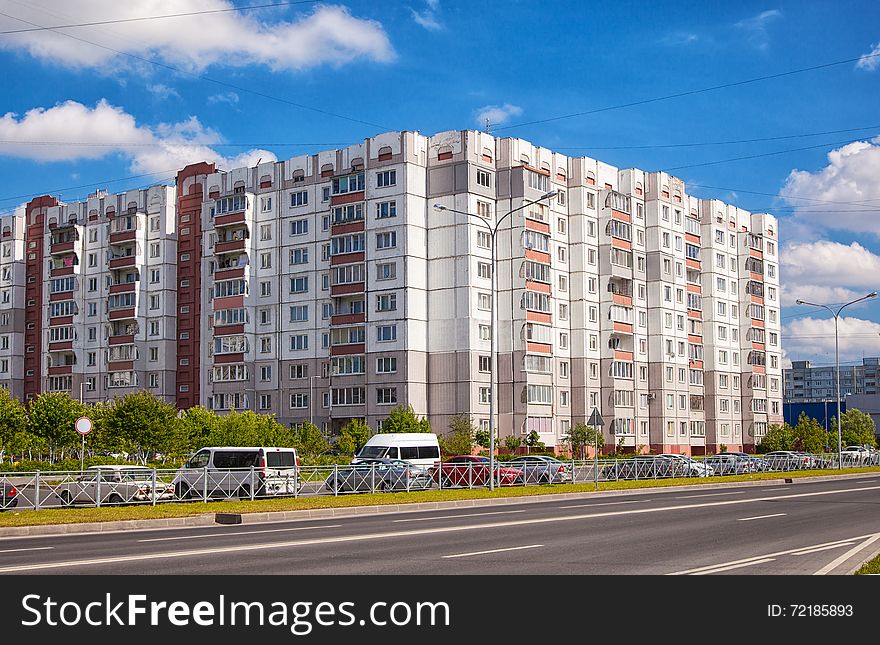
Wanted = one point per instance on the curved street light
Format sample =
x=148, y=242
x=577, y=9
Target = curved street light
x=836, y=315
x=493, y=231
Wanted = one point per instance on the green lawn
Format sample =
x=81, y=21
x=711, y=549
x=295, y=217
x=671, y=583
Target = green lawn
x=870, y=567
x=169, y=510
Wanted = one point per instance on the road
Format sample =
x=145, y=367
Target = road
x=799, y=528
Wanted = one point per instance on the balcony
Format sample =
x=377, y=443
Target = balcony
x=122, y=237
x=120, y=262
x=57, y=248
x=621, y=292
x=233, y=246
x=123, y=314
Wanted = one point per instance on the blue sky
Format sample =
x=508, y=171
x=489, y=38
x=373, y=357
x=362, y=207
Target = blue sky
x=438, y=64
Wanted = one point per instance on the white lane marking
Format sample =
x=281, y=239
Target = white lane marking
x=378, y=536
x=767, y=555
x=709, y=495
x=34, y=548
x=773, y=490
x=846, y=556
x=452, y=517
x=632, y=501
x=760, y=517
x=823, y=548
x=211, y=535
x=513, y=548
x=734, y=566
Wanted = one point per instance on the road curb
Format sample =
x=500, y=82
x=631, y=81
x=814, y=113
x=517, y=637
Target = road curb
x=211, y=519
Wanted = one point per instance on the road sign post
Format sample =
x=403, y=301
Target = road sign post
x=83, y=426
x=596, y=422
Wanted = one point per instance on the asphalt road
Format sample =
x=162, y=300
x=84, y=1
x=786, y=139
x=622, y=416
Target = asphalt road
x=799, y=528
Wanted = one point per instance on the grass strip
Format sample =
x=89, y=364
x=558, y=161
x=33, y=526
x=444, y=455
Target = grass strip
x=189, y=509
x=872, y=567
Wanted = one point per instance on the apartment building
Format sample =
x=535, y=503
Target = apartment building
x=99, y=295
x=806, y=383
x=327, y=287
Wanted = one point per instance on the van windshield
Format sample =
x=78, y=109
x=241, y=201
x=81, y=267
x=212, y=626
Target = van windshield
x=373, y=452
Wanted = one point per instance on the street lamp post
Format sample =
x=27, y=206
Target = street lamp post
x=493, y=370
x=836, y=315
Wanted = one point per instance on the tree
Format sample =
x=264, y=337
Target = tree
x=482, y=438
x=404, y=419
x=251, y=429
x=512, y=443
x=533, y=441
x=460, y=440
x=778, y=437
x=309, y=440
x=857, y=429
x=809, y=435
x=143, y=423
x=354, y=434
x=194, y=428
x=582, y=436
x=13, y=421
x=51, y=417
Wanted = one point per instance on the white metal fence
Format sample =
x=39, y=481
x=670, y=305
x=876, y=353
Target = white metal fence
x=116, y=485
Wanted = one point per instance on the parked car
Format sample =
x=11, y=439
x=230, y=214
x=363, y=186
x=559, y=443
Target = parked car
x=378, y=474
x=684, y=466
x=859, y=456
x=780, y=460
x=761, y=464
x=541, y=469
x=421, y=449
x=640, y=467
x=237, y=471
x=8, y=496
x=468, y=470
x=731, y=464
x=113, y=485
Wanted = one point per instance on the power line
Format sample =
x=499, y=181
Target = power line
x=763, y=154
x=717, y=143
x=167, y=15
x=202, y=76
x=689, y=92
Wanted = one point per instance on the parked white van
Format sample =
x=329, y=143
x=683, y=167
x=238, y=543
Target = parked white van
x=233, y=471
x=418, y=448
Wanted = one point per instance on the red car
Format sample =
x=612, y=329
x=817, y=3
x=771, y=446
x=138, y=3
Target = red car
x=467, y=470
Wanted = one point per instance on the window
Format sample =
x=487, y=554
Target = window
x=386, y=365
x=386, y=302
x=386, y=271
x=484, y=270
x=265, y=206
x=265, y=401
x=485, y=333
x=386, y=333
x=483, y=178
x=348, y=213
x=299, y=401
x=265, y=289
x=485, y=394
x=386, y=210
x=484, y=240
x=299, y=256
x=386, y=395
x=154, y=250
x=265, y=372
x=299, y=342
x=300, y=198
x=539, y=394
x=299, y=371
x=265, y=260
x=386, y=178
x=299, y=284
x=299, y=227
x=386, y=240
x=298, y=313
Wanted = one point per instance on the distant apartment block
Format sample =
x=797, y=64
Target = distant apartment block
x=326, y=287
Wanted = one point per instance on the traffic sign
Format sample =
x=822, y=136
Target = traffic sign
x=596, y=419
x=84, y=425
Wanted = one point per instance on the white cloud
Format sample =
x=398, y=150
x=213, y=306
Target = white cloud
x=847, y=272
x=871, y=60
x=848, y=181
x=226, y=97
x=149, y=149
x=814, y=337
x=427, y=18
x=496, y=114
x=327, y=35
x=162, y=91
x=755, y=28
x=679, y=39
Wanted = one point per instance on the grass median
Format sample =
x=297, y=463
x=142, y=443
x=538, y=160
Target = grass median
x=871, y=567
x=13, y=517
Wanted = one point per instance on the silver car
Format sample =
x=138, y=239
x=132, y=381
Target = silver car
x=113, y=485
